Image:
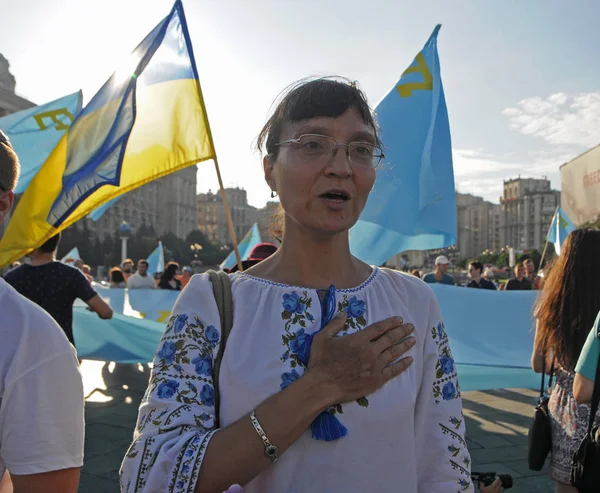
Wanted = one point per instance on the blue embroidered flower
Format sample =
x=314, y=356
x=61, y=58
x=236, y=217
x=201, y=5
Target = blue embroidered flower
x=356, y=308
x=448, y=391
x=189, y=453
x=440, y=330
x=178, y=368
x=203, y=366
x=191, y=386
x=167, y=352
x=447, y=365
x=288, y=378
x=167, y=389
x=207, y=395
x=301, y=345
x=291, y=303
x=196, y=441
x=203, y=417
x=185, y=469
x=212, y=335
x=180, y=484
x=309, y=317
x=180, y=323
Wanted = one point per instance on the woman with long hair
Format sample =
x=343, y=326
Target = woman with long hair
x=567, y=308
x=168, y=279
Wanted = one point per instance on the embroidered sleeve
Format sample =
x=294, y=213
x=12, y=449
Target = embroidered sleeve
x=177, y=415
x=443, y=458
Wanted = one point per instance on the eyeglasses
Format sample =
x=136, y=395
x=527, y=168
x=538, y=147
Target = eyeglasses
x=314, y=147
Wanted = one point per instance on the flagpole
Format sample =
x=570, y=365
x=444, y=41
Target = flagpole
x=228, y=216
x=548, y=234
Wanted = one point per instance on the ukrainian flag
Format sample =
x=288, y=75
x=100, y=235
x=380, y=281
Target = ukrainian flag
x=144, y=123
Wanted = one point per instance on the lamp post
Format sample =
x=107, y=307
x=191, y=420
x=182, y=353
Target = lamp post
x=124, y=234
x=196, y=248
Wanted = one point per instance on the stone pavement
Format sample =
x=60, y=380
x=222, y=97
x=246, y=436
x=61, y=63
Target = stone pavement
x=497, y=423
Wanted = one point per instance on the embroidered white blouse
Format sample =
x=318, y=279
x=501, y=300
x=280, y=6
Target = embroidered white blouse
x=408, y=436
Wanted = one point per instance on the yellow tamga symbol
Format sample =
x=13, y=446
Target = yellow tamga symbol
x=53, y=115
x=406, y=89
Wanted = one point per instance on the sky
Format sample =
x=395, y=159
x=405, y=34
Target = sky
x=522, y=79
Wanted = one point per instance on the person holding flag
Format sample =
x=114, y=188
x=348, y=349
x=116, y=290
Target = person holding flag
x=336, y=375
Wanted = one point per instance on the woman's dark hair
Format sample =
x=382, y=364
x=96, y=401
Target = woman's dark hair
x=310, y=98
x=170, y=271
x=570, y=300
x=116, y=275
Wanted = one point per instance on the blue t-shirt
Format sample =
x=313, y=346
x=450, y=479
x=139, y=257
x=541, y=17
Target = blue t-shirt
x=447, y=279
x=588, y=359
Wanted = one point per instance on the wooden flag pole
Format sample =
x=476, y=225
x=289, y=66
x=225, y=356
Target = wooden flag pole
x=228, y=216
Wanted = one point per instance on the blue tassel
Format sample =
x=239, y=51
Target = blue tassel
x=328, y=428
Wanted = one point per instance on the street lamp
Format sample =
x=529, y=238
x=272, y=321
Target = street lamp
x=124, y=234
x=196, y=248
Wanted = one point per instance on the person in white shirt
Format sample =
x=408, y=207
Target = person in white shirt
x=41, y=391
x=337, y=375
x=141, y=279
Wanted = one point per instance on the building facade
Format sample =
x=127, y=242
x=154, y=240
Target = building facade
x=527, y=208
x=167, y=205
x=477, y=224
x=211, y=219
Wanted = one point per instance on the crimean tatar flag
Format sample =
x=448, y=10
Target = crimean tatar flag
x=147, y=121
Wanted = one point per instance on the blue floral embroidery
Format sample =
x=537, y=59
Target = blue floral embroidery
x=355, y=308
x=448, y=391
x=447, y=364
x=293, y=303
x=445, y=385
x=203, y=365
x=167, y=352
x=207, y=395
x=212, y=335
x=180, y=484
x=166, y=390
x=185, y=469
x=179, y=324
x=301, y=345
x=289, y=377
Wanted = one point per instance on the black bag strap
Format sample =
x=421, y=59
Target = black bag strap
x=595, y=398
x=542, y=388
x=221, y=285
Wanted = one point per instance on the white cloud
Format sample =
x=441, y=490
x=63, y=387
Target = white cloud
x=484, y=174
x=560, y=119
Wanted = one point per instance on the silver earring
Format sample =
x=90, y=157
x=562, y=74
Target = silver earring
x=273, y=194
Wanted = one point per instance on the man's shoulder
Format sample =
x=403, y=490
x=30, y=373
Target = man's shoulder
x=429, y=276
x=22, y=319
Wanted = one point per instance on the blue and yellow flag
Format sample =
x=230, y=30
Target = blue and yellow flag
x=559, y=229
x=245, y=247
x=156, y=260
x=413, y=203
x=145, y=122
x=34, y=133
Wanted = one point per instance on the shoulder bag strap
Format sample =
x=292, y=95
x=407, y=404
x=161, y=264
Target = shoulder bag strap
x=221, y=285
x=595, y=398
x=543, y=376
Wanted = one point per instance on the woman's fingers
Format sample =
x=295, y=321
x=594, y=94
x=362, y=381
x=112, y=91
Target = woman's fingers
x=393, y=352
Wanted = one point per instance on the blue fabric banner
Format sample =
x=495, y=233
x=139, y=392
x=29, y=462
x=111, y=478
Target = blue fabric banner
x=490, y=332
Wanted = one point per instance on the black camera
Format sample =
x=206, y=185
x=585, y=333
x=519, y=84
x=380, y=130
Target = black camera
x=488, y=478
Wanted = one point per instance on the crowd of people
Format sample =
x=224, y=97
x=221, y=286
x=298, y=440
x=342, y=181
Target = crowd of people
x=327, y=374
x=525, y=276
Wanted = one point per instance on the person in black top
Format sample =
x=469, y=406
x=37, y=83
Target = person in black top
x=55, y=286
x=475, y=271
x=168, y=280
x=519, y=283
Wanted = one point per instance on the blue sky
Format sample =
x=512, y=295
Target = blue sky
x=522, y=79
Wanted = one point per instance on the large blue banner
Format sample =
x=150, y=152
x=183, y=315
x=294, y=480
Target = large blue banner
x=490, y=331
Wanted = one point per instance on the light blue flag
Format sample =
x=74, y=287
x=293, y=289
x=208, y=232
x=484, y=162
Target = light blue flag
x=559, y=229
x=99, y=212
x=413, y=205
x=34, y=133
x=73, y=255
x=245, y=246
x=156, y=260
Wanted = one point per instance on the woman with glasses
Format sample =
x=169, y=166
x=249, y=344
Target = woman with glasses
x=337, y=376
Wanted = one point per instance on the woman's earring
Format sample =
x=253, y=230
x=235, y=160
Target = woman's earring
x=273, y=194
